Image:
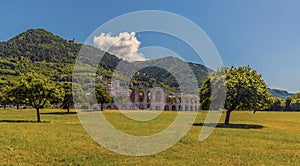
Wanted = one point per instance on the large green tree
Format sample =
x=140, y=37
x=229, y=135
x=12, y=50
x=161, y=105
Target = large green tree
x=102, y=95
x=245, y=90
x=37, y=89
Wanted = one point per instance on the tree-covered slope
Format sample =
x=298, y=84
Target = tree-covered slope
x=40, y=45
x=40, y=50
x=165, y=76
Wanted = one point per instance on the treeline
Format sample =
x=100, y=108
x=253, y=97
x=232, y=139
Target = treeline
x=291, y=103
x=235, y=88
x=39, y=91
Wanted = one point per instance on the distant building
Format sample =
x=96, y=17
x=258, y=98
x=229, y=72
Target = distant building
x=154, y=99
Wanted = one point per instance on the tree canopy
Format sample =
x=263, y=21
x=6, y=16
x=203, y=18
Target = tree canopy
x=245, y=90
x=37, y=90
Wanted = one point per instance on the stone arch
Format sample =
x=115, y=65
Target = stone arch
x=173, y=108
x=167, y=107
x=157, y=96
x=186, y=108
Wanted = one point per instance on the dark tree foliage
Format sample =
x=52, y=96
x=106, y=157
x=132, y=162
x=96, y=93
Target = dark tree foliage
x=67, y=101
x=276, y=104
x=102, y=95
x=293, y=103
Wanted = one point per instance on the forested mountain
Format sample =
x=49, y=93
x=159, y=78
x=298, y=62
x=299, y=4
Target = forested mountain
x=280, y=93
x=40, y=50
x=166, y=77
x=40, y=45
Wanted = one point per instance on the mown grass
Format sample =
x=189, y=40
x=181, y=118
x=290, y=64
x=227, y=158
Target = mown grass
x=61, y=140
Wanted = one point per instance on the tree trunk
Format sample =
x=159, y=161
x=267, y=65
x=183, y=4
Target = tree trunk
x=38, y=114
x=68, y=110
x=102, y=106
x=18, y=106
x=228, y=112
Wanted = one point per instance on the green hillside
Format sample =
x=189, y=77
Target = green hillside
x=40, y=50
x=40, y=45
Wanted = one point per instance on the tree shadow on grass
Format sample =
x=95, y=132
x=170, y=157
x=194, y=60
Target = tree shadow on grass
x=59, y=113
x=233, y=126
x=21, y=121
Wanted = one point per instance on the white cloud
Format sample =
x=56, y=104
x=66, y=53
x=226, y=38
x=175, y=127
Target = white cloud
x=125, y=45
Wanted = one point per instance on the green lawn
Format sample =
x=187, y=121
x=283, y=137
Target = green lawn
x=61, y=140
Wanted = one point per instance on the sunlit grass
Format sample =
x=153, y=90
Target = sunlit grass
x=61, y=140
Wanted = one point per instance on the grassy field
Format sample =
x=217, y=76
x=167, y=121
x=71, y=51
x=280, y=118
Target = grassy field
x=61, y=140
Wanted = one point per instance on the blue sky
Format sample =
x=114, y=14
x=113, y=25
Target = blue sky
x=264, y=34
